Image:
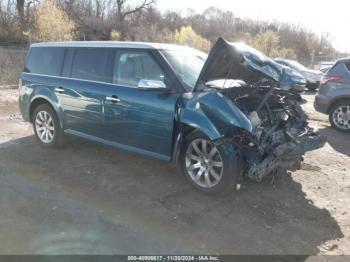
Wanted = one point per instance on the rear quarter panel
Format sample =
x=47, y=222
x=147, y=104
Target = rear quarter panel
x=36, y=86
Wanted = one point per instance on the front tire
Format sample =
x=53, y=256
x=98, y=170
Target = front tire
x=47, y=127
x=339, y=116
x=210, y=169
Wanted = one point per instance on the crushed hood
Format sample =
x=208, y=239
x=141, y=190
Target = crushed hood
x=236, y=61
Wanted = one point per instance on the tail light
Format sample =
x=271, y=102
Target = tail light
x=327, y=78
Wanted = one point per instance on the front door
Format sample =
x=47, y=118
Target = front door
x=140, y=118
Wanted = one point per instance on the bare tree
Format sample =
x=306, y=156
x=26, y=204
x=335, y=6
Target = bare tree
x=123, y=10
x=141, y=20
x=21, y=16
x=22, y=7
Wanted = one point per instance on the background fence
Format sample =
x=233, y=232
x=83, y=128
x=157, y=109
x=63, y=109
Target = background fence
x=12, y=59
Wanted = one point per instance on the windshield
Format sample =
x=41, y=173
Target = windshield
x=295, y=65
x=187, y=64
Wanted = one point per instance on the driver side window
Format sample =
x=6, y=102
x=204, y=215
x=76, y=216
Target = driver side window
x=132, y=66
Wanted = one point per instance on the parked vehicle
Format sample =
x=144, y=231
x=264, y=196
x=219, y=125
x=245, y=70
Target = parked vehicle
x=325, y=65
x=289, y=79
x=160, y=100
x=312, y=77
x=333, y=97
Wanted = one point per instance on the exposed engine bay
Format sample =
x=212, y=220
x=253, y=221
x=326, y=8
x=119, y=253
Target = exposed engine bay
x=281, y=134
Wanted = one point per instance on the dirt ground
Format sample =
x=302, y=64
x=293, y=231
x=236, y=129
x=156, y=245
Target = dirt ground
x=91, y=199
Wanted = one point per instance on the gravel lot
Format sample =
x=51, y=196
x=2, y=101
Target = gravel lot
x=91, y=199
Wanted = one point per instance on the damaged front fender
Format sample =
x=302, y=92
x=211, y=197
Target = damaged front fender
x=213, y=114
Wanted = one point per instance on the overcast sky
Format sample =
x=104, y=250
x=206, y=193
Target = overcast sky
x=332, y=16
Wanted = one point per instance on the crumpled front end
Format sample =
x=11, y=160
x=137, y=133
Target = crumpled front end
x=280, y=135
x=287, y=154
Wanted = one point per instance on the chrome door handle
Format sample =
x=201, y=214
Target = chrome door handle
x=113, y=99
x=59, y=89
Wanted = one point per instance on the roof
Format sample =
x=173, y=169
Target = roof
x=116, y=44
x=344, y=59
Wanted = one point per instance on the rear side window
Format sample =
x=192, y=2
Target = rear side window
x=347, y=65
x=92, y=64
x=340, y=67
x=45, y=60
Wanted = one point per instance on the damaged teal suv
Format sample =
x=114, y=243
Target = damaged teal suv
x=218, y=117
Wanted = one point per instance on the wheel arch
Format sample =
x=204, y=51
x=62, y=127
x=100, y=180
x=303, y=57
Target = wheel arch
x=231, y=171
x=183, y=130
x=336, y=101
x=39, y=100
x=210, y=113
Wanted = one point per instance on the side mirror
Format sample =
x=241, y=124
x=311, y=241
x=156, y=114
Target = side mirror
x=145, y=84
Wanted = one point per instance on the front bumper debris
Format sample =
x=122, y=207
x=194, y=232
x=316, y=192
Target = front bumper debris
x=287, y=156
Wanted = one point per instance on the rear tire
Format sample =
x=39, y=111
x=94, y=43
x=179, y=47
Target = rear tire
x=210, y=169
x=47, y=127
x=339, y=116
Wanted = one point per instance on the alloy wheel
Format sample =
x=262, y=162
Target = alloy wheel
x=204, y=163
x=341, y=117
x=44, y=127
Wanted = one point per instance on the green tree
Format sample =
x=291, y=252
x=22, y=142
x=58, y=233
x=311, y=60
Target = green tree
x=124, y=10
x=186, y=36
x=52, y=23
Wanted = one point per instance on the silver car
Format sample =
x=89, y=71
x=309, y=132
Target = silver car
x=333, y=97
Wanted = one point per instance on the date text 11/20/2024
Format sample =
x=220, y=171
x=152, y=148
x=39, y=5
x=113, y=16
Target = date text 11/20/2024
x=173, y=258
